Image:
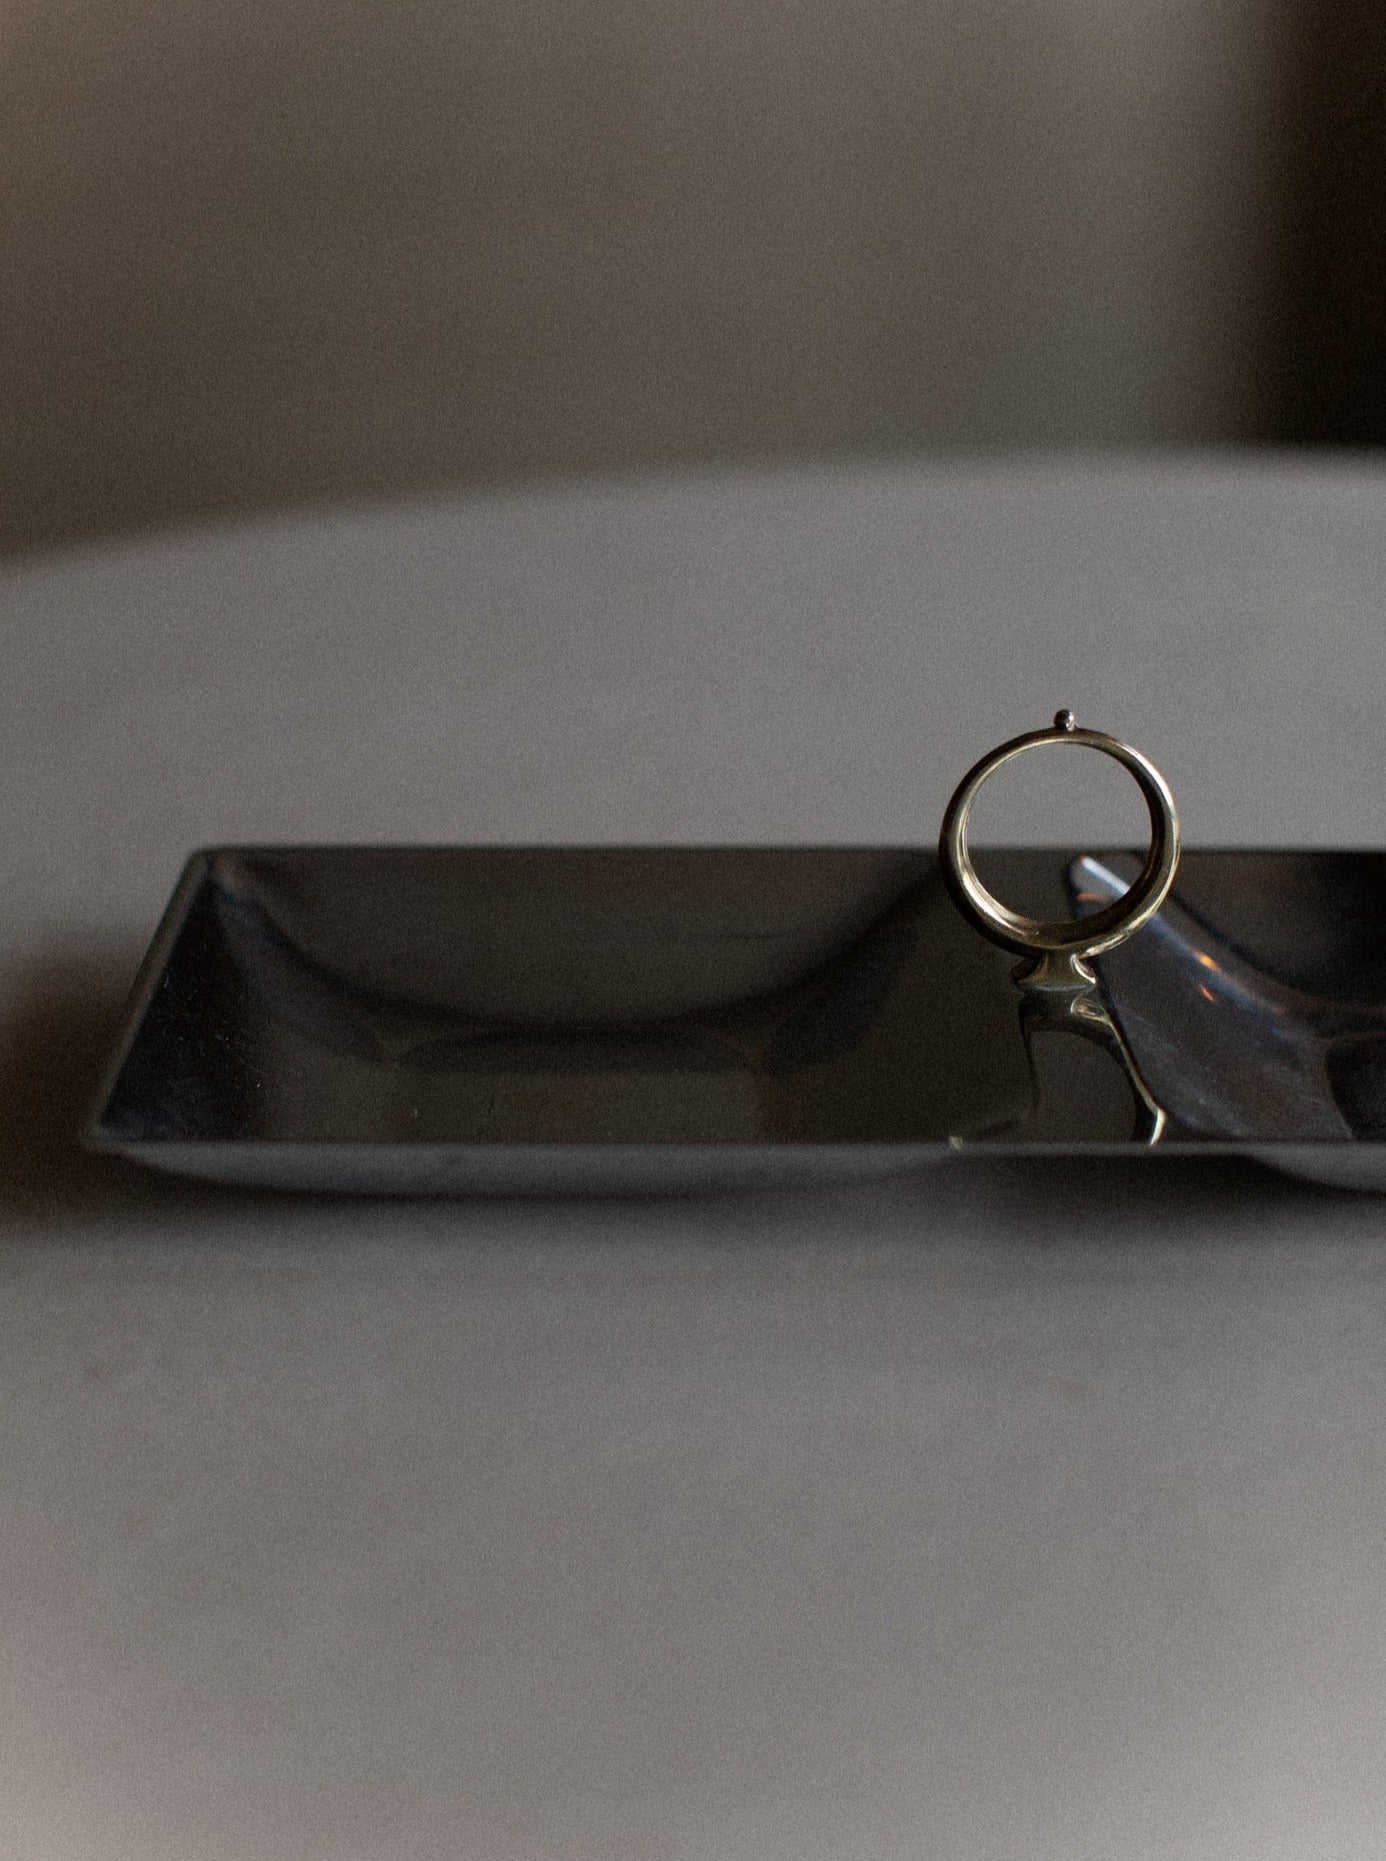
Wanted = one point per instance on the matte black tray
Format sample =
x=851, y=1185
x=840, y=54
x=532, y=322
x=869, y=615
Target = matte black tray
x=541, y=1019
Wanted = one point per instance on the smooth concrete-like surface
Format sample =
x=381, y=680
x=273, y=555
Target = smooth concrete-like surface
x=999, y=1513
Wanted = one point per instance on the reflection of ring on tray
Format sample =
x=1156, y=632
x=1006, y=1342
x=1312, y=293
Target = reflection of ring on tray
x=1059, y=999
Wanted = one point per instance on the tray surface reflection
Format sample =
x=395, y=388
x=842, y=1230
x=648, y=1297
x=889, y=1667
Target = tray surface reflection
x=452, y=1019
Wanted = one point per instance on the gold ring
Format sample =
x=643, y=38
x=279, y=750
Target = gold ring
x=1057, y=949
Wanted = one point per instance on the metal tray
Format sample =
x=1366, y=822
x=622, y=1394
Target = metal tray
x=455, y=1020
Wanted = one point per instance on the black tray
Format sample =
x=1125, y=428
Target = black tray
x=450, y=1019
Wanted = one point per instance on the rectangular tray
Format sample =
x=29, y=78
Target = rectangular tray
x=453, y=1020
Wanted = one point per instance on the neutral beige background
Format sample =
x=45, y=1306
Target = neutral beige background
x=258, y=254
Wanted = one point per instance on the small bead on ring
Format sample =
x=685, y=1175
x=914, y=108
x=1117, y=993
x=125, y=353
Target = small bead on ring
x=1056, y=950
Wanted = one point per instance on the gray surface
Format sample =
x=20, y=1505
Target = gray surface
x=1008, y=1512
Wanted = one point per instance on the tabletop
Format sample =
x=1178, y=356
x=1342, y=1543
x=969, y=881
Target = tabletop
x=1009, y=1510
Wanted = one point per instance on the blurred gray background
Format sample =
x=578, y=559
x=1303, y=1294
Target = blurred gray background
x=260, y=257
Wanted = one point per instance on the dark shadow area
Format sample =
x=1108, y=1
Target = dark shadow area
x=1097, y=1200
x=1004, y=1207
x=1328, y=384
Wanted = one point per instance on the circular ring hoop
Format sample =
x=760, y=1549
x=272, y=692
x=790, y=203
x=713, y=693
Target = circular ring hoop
x=1068, y=940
